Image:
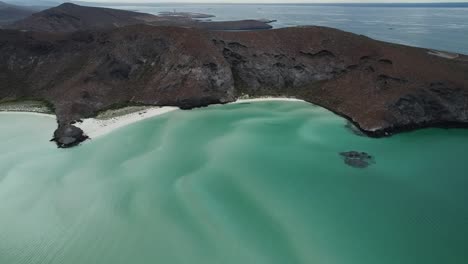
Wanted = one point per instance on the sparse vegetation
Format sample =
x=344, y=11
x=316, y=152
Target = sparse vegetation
x=116, y=112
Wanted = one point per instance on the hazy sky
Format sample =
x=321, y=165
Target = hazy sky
x=280, y=1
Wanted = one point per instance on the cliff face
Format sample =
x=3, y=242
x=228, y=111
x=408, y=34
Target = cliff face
x=84, y=72
x=381, y=87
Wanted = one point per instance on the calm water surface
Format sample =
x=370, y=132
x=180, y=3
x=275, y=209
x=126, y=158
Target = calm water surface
x=249, y=183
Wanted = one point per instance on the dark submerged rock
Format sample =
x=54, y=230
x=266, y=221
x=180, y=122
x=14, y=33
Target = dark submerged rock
x=357, y=159
x=68, y=136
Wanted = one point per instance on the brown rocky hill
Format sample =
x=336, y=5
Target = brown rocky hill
x=71, y=17
x=383, y=88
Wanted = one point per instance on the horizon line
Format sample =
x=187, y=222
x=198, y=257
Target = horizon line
x=250, y=2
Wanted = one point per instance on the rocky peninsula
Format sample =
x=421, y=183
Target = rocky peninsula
x=70, y=17
x=382, y=88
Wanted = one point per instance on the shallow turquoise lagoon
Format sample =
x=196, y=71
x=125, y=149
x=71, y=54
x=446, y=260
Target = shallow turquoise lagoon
x=247, y=183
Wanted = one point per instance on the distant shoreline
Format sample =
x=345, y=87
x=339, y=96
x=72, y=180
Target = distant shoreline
x=97, y=127
x=357, y=4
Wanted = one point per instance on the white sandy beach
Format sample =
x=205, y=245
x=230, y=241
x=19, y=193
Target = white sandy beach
x=443, y=54
x=264, y=99
x=98, y=127
x=94, y=127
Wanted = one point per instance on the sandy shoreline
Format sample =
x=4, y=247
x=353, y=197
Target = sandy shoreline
x=266, y=99
x=95, y=127
x=98, y=127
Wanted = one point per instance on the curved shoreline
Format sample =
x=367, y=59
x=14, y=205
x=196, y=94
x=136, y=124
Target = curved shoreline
x=94, y=127
x=97, y=127
x=266, y=99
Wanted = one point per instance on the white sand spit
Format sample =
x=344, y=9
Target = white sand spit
x=94, y=128
x=444, y=54
x=265, y=99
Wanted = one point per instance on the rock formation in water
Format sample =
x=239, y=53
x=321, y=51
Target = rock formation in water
x=382, y=88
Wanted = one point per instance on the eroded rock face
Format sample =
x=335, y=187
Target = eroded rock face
x=441, y=103
x=382, y=88
x=68, y=136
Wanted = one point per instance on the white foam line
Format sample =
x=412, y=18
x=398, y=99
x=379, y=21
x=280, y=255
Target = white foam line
x=266, y=99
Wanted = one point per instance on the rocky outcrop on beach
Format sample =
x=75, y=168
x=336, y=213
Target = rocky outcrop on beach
x=68, y=135
x=382, y=88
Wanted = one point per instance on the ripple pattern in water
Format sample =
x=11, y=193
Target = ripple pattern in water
x=247, y=183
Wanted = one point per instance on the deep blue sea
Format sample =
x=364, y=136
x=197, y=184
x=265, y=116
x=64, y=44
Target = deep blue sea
x=435, y=26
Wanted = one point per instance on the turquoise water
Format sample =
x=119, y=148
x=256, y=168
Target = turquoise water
x=423, y=25
x=247, y=183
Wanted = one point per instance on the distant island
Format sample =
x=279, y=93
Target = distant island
x=83, y=60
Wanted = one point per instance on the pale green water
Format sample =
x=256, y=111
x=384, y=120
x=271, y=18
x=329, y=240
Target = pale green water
x=256, y=183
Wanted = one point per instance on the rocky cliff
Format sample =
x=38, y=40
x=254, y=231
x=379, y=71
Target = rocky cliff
x=381, y=87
